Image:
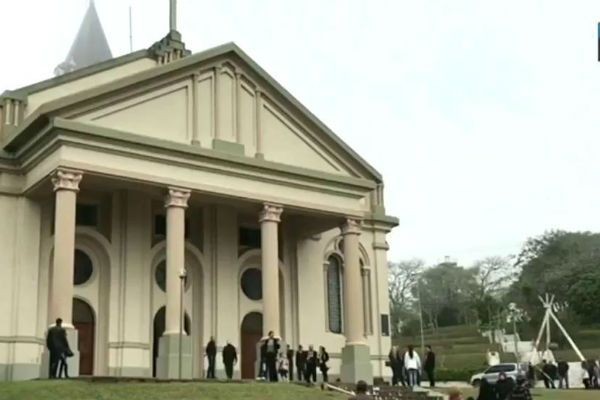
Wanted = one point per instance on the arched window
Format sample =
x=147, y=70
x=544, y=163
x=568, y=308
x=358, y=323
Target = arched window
x=334, y=294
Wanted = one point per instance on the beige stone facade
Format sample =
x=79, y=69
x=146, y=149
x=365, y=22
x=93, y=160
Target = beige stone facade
x=125, y=173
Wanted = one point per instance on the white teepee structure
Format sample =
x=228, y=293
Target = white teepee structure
x=551, y=307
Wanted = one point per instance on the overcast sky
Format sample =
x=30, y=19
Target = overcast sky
x=482, y=116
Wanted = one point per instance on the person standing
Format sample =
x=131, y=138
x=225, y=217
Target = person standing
x=323, y=360
x=283, y=367
x=429, y=365
x=229, y=359
x=301, y=363
x=57, y=344
x=504, y=387
x=394, y=360
x=211, y=354
x=563, y=374
x=311, y=365
x=486, y=391
x=547, y=373
x=271, y=351
x=412, y=363
x=290, y=357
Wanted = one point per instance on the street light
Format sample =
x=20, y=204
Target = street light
x=182, y=276
x=420, y=315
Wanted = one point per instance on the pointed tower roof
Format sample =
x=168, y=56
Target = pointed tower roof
x=90, y=45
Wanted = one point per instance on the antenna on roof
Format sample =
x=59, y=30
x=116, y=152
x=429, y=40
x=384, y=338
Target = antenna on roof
x=130, y=32
x=173, y=15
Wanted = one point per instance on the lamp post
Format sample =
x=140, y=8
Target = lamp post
x=182, y=276
x=420, y=315
x=513, y=314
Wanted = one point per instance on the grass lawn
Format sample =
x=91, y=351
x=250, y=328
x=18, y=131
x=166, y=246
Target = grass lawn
x=543, y=394
x=79, y=390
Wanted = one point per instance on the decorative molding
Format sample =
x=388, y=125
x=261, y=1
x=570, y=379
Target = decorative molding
x=129, y=345
x=22, y=339
x=351, y=227
x=271, y=212
x=177, y=197
x=381, y=246
x=66, y=179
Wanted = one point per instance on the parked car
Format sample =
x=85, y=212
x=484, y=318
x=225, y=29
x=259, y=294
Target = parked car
x=512, y=371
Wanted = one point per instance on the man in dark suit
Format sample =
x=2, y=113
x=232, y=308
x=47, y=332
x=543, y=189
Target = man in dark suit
x=290, y=357
x=300, y=363
x=229, y=359
x=211, y=353
x=271, y=350
x=57, y=344
x=429, y=366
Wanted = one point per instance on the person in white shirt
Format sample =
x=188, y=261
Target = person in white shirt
x=412, y=364
x=283, y=367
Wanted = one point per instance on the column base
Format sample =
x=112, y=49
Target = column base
x=167, y=363
x=356, y=364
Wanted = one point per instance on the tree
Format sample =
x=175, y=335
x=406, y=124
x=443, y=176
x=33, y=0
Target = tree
x=445, y=292
x=492, y=275
x=402, y=278
x=564, y=264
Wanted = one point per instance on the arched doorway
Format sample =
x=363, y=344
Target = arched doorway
x=159, y=329
x=83, y=321
x=251, y=334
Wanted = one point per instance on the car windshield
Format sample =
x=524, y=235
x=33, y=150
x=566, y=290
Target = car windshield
x=500, y=368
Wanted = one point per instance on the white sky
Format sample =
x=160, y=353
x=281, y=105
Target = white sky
x=482, y=116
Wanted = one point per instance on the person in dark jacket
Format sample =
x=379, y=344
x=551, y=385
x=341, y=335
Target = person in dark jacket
x=486, y=391
x=290, y=356
x=396, y=365
x=548, y=374
x=520, y=391
x=57, y=344
x=301, y=363
x=361, y=391
x=229, y=359
x=563, y=374
x=211, y=354
x=429, y=365
x=504, y=387
x=271, y=350
x=312, y=359
x=323, y=360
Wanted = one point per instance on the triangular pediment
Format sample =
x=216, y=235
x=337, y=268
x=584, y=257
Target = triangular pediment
x=219, y=99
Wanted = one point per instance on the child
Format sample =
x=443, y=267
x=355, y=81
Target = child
x=283, y=367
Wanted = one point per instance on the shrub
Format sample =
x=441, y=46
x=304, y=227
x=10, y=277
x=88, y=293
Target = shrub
x=456, y=375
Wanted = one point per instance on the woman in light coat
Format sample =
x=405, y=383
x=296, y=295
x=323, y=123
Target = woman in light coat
x=412, y=364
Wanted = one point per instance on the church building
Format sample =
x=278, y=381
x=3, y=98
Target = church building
x=160, y=198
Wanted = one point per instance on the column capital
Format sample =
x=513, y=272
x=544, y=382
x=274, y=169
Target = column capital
x=66, y=179
x=351, y=227
x=177, y=197
x=271, y=212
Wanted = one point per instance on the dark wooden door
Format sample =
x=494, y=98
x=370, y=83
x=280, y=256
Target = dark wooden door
x=86, y=347
x=251, y=334
x=83, y=321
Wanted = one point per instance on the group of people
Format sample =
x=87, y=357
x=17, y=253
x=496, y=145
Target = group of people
x=590, y=374
x=278, y=365
x=407, y=368
x=59, y=350
x=275, y=363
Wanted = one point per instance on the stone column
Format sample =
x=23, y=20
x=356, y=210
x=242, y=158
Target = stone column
x=175, y=203
x=356, y=359
x=169, y=344
x=269, y=221
x=66, y=186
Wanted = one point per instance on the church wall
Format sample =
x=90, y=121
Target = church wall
x=35, y=100
x=20, y=347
